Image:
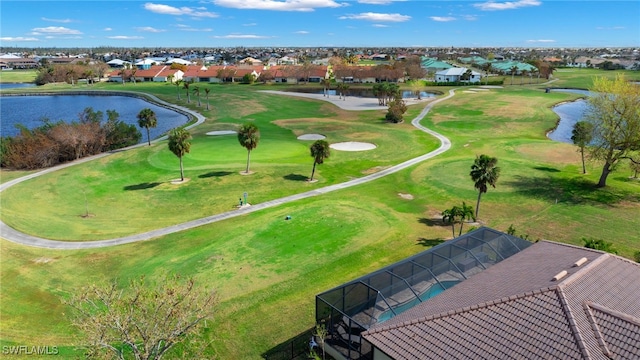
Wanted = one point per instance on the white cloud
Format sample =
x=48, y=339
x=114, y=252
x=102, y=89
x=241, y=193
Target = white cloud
x=541, y=41
x=57, y=20
x=19, y=38
x=107, y=29
x=376, y=17
x=250, y=24
x=181, y=11
x=150, y=29
x=301, y=32
x=241, y=36
x=279, y=5
x=124, y=37
x=380, y=25
x=443, y=18
x=55, y=30
x=610, y=28
x=378, y=2
x=507, y=5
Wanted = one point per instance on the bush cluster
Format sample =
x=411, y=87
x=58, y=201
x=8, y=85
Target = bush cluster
x=56, y=143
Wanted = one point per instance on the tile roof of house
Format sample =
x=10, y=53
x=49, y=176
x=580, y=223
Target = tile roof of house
x=516, y=310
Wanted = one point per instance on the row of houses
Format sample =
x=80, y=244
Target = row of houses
x=280, y=74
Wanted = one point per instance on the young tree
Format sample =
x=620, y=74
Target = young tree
x=144, y=321
x=396, y=110
x=180, y=145
x=196, y=92
x=147, y=119
x=320, y=150
x=178, y=84
x=185, y=86
x=207, y=91
x=457, y=214
x=581, y=135
x=484, y=172
x=614, y=112
x=248, y=136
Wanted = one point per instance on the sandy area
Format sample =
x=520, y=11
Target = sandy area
x=351, y=102
x=222, y=132
x=311, y=137
x=352, y=146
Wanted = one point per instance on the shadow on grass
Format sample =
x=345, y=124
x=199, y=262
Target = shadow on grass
x=429, y=242
x=215, y=174
x=431, y=222
x=575, y=191
x=294, y=348
x=546, y=168
x=141, y=186
x=296, y=177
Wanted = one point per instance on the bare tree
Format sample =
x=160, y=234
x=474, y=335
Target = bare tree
x=145, y=321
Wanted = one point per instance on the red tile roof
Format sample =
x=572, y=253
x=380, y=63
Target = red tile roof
x=516, y=310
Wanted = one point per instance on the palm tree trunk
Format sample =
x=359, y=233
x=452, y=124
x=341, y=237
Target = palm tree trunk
x=584, y=169
x=148, y=136
x=313, y=171
x=478, y=203
x=181, y=170
x=248, y=158
x=453, y=229
x=461, y=225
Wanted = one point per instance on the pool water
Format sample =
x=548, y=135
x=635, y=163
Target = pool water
x=434, y=290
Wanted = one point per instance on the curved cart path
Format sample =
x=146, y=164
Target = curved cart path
x=18, y=237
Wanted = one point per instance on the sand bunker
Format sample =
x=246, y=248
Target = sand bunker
x=352, y=146
x=222, y=132
x=311, y=137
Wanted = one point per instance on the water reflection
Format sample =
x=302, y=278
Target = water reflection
x=570, y=113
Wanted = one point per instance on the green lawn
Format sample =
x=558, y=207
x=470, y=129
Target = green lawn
x=266, y=269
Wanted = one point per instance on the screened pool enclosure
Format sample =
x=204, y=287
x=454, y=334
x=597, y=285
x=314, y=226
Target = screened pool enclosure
x=357, y=305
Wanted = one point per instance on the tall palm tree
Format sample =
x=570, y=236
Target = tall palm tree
x=147, y=119
x=514, y=70
x=185, y=85
x=484, y=172
x=487, y=70
x=319, y=151
x=196, y=92
x=178, y=85
x=248, y=136
x=326, y=85
x=207, y=91
x=180, y=145
x=133, y=74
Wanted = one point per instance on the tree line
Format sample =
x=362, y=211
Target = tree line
x=55, y=143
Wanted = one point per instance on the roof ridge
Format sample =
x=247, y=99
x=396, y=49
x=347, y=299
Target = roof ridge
x=596, y=329
x=575, y=330
x=584, y=270
x=461, y=310
x=615, y=313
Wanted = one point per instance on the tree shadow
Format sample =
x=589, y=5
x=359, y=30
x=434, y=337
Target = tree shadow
x=141, y=186
x=575, y=191
x=429, y=242
x=296, y=177
x=215, y=174
x=431, y=222
x=295, y=348
x=547, y=169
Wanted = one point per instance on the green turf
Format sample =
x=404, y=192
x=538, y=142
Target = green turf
x=266, y=269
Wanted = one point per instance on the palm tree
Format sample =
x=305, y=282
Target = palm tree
x=319, y=151
x=326, y=85
x=147, y=119
x=450, y=216
x=248, y=136
x=178, y=85
x=466, y=212
x=581, y=135
x=133, y=74
x=196, y=92
x=514, y=70
x=484, y=172
x=185, y=85
x=179, y=145
x=487, y=69
x=207, y=91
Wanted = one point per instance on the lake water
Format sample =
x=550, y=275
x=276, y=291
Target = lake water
x=570, y=113
x=29, y=111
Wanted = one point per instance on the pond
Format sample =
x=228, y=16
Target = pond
x=31, y=110
x=570, y=113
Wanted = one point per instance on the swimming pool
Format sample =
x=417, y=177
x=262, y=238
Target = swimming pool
x=434, y=290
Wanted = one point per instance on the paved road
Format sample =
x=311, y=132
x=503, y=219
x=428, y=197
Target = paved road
x=12, y=235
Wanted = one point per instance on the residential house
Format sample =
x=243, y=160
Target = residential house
x=489, y=295
x=457, y=74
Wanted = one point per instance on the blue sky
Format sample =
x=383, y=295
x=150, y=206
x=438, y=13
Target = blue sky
x=317, y=23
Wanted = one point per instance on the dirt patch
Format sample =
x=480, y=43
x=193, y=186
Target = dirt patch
x=550, y=153
x=43, y=260
x=242, y=107
x=180, y=181
x=374, y=170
